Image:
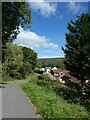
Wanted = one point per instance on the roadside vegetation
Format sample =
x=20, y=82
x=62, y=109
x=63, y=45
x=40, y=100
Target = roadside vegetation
x=14, y=64
x=19, y=62
x=49, y=104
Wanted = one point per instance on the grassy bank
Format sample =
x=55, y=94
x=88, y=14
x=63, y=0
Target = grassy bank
x=49, y=104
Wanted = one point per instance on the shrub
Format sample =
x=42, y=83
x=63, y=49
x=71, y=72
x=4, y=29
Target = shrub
x=38, y=71
x=71, y=95
x=6, y=78
x=25, y=69
x=50, y=106
x=44, y=77
x=43, y=80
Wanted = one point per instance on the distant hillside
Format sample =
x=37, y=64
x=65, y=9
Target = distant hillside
x=58, y=62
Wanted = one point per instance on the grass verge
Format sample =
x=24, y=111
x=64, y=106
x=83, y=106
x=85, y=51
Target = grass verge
x=49, y=105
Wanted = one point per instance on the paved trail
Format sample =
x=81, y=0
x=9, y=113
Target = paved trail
x=15, y=103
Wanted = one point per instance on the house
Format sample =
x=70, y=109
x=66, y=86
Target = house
x=40, y=69
x=55, y=72
x=54, y=68
x=48, y=69
x=70, y=78
x=57, y=75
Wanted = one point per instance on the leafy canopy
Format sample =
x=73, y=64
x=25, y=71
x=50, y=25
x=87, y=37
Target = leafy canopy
x=19, y=61
x=14, y=14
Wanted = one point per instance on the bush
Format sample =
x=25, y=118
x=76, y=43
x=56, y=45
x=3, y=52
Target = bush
x=6, y=78
x=71, y=95
x=43, y=80
x=44, y=77
x=19, y=61
x=25, y=69
x=50, y=106
x=38, y=71
x=67, y=93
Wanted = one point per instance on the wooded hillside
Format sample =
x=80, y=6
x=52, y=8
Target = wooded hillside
x=46, y=62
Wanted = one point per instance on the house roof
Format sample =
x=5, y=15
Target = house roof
x=54, y=68
x=48, y=67
x=56, y=71
x=71, y=78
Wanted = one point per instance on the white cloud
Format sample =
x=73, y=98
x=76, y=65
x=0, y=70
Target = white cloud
x=32, y=40
x=45, y=8
x=75, y=7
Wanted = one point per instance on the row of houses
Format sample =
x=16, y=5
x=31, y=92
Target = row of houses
x=53, y=72
x=61, y=75
x=46, y=69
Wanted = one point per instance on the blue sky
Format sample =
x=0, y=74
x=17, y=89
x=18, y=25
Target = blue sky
x=49, y=25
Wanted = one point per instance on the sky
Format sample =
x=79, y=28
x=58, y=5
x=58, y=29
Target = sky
x=49, y=26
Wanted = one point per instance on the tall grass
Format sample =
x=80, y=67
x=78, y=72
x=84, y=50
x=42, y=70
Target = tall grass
x=49, y=105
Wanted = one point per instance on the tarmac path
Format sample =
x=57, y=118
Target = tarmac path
x=15, y=104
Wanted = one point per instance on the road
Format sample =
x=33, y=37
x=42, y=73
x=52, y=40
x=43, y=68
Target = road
x=15, y=103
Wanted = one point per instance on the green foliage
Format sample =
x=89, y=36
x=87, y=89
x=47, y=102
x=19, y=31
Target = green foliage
x=43, y=80
x=49, y=105
x=7, y=78
x=72, y=95
x=30, y=56
x=44, y=77
x=77, y=51
x=14, y=14
x=38, y=71
x=16, y=65
x=13, y=61
x=17, y=61
x=25, y=69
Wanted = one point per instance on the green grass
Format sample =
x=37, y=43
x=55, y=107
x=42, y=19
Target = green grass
x=48, y=104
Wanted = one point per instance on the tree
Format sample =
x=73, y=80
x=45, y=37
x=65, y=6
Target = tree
x=13, y=61
x=77, y=48
x=14, y=14
x=19, y=61
x=29, y=56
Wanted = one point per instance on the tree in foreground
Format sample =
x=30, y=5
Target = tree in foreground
x=77, y=48
x=14, y=14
